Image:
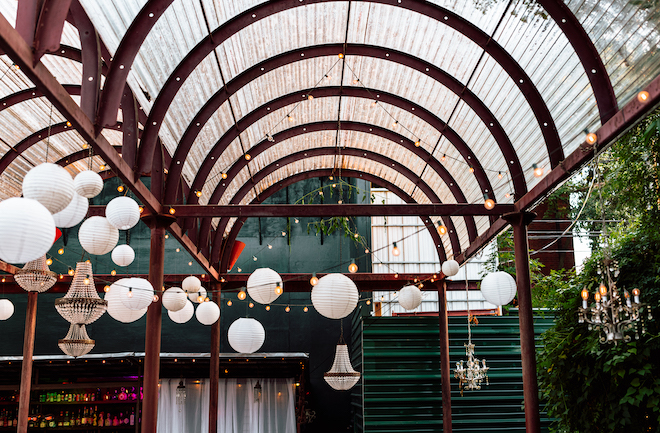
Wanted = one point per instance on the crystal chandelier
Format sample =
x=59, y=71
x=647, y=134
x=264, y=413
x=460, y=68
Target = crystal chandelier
x=341, y=376
x=612, y=314
x=180, y=393
x=35, y=276
x=471, y=375
x=82, y=303
x=77, y=342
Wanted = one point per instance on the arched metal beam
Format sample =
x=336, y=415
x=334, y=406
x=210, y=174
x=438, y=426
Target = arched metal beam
x=31, y=93
x=77, y=156
x=259, y=113
x=231, y=238
x=91, y=59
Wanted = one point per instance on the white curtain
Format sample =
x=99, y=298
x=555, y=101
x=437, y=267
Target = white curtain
x=238, y=411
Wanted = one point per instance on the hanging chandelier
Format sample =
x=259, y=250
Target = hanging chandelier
x=341, y=376
x=612, y=314
x=35, y=276
x=77, y=342
x=82, y=303
x=180, y=393
x=471, y=375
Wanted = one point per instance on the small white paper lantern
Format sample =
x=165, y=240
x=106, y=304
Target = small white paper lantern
x=335, y=296
x=49, y=184
x=191, y=284
x=97, y=236
x=174, y=299
x=410, y=297
x=208, y=313
x=122, y=212
x=27, y=230
x=246, y=335
x=450, y=268
x=194, y=297
x=117, y=310
x=88, y=183
x=123, y=255
x=6, y=309
x=261, y=285
x=73, y=213
x=184, y=314
x=134, y=293
x=498, y=288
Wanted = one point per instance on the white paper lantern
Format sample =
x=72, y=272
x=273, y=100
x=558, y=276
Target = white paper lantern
x=498, y=288
x=27, y=230
x=49, y=184
x=123, y=255
x=117, y=310
x=410, y=297
x=88, y=183
x=261, y=285
x=191, y=284
x=73, y=213
x=450, y=268
x=246, y=335
x=184, y=314
x=208, y=313
x=97, y=235
x=335, y=296
x=134, y=293
x=174, y=299
x=6, y=309
x=195, y=296
x=123, y=212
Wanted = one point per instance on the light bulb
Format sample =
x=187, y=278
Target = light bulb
x=442, y=230
x=444, y=157
x=254, y=258
x=141, y=209
x=189, y=263
x=177, y=249
x=340, y=55
x=499, y=175
x=224, y=175
x=538, y=171
x=310, y=97
x=130, y=292
x=643, y=96
x=155, y=298
x=417, y=143
x=296, y=220
x=395, y=250
x=368, y=301
x=229, y=303
x=68, y=123
x=120, y=188
x=251, y=305
x=270, y=247
x=305, y=309
x=287, y=309
x=85, y=145
x=172, y=211
x=283, y=233
x=200, y=299
x=395, y=124
x=167, y=236
x=489, y=203
x=241, y=295
x=314, y=280
x=267, y=307
x=71, y=272
x=366, y=250
x=278, y=289
x=60, y=251
x=591, y=138
x=471, y=169
x=584, y=294
x=353, y=267
x=102, y=167
x=247, y=157
x=239, y=270
x=106, y=288
x=330, y=177
x=198, y=193
x=635, y=292
x=289, y=118
x=602, y=289
x=86, y=281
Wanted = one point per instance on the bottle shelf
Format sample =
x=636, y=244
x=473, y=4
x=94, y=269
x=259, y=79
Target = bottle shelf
x=82, y=403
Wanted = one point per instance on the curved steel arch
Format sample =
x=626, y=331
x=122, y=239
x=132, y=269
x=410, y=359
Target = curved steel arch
x=32, y=93
x=226, y=30
x=77, y=156
x=221, y=145
x=231, y=238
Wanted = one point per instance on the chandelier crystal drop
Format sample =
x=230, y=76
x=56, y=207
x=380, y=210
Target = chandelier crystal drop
x=471, y=374
x=81, y=304
x=77, y=342
x=36, y=276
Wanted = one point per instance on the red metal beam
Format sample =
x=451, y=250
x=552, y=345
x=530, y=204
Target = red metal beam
x=49, y=27
x=445, y=369
x=26, y=366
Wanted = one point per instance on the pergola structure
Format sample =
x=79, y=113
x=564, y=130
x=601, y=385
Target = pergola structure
x=224, y=103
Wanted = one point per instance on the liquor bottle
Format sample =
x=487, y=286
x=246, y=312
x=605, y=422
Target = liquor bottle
x=98, y=418
x=132, y=417
x=124, y=419
x=31, y=419
x=67, y=420
x=43, y=422
x=108, y=421
x=60, y=420
x=115, y=421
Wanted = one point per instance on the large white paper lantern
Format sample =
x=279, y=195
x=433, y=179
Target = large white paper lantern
x=410, y=297
x=134, y=293
x=6, y=309
x=184, y=314
x=246, y=335
x=73, y=213
x=191, y=284
x=122, y=212
x=498, y=288
x=117, y=310
x=123, y=255
x=335, y=296
x=262, y=285
x=450, y=268
x=88, y=183
x=194, y=297
x=174, y=299
x=208, y=313
x=97, y=235
x=27, y=230
x=49, y=184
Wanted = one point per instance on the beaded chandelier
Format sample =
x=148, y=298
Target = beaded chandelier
x=77, y=342
x=81, y=304
x=35, y=276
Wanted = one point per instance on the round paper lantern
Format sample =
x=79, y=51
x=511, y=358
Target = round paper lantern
x=122, y=212
x=261, y=285
x=49, y=184
x=27, y=230
x=184, y=314
x=195, y=296
x=73, y=213
x=410, y=297
x=246, y=335
x=335, y=296
x=117, y=310
x=88, y=183
x=450, y=268
x=208, y=313
x=6, y=309
x=123, y=255
x=191, y=284
x=134, y=293
x=174, y=299
x=498, y=288
x=97, y=236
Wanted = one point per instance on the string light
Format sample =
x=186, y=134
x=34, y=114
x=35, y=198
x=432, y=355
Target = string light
x=155, y=298
x=49, y=262
x=224, y=175
x=444, y=157
x=287, y=309
x=310, y=97
x=172, y=211
x=106, y=288
x=120, y=188
x=267, y=307
x=229, y=303
x=270, y=247
x=71, y=272
x=489, y=203
x=442, y=230
x=395, y=124
x=643, y=96
x=314, y=280
x=254, y=258
x=305, y=309
x=499, y=175
x=538, y=171
x=283, y=233
x=471, y=169
x=167, y=236
x=353, y=267
x=113, y=272
x=60, y=251
x=102, y=167
x=591, y=138
x=395, y=249
x=241, y=295
x=340, y=55
x=198, y=193
x=247, y=157
x=177, y=249
x=417, y=143
x=86, y=281
x=289, y=118
x=189, y=263
x=141, y=209
x=251, y=305
x=278, y=288
x=368, y=302
x=239, y=270
x=130, y=292
x=296, y=220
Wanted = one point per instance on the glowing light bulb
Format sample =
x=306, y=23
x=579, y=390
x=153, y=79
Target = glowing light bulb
x=310, y=97
x=442, y=230
x=278, y=289
x=314, y=280
x=239, y=270
x=198, y=193
x=287, y=309
x=60, y=251
x=417, y=143
x=591, y=138
x=643, y=96
x=538, y=171
x=200, y=299
x=267, y=307
x=357, y=80
x=395, y=124
x=106, y=288
x=251, y=305
x=635, y=292
x=71, y=272
x=120, y=188
x=155, y=298
x=296, y=220
x=85, y=145
x=189, y=263
x=101, y=167
x=270, y=247
x=597, y=297
x=224, y=175
x=353, y=267
x=602, y=289
x=141, y=209
x=330, y=177
x=305, y=309
x=241, y=295
x=366, y=250
x=499, y=175
x=172, y=211
x=340, y=55
x=113, y=272
x=254, y=258
x=283, y=233
x=444, y=157
x=229, y=303
x=49, y=262
x=86, y=281
x=130, y=292
x=68, y=123
x=489, y=203
x=247, y=157
x=471, y=169
x=395, y=249
x=584, y=294
x=368, y=302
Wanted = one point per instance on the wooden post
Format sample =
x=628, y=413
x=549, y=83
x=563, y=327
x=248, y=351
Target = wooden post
x=519, y=222
x=26, y=366
x=215, y=371
x=444, y=358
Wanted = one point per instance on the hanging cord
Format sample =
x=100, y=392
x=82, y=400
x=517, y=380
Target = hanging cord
x=341, y=334
x=50, y=124
x=467, y=299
